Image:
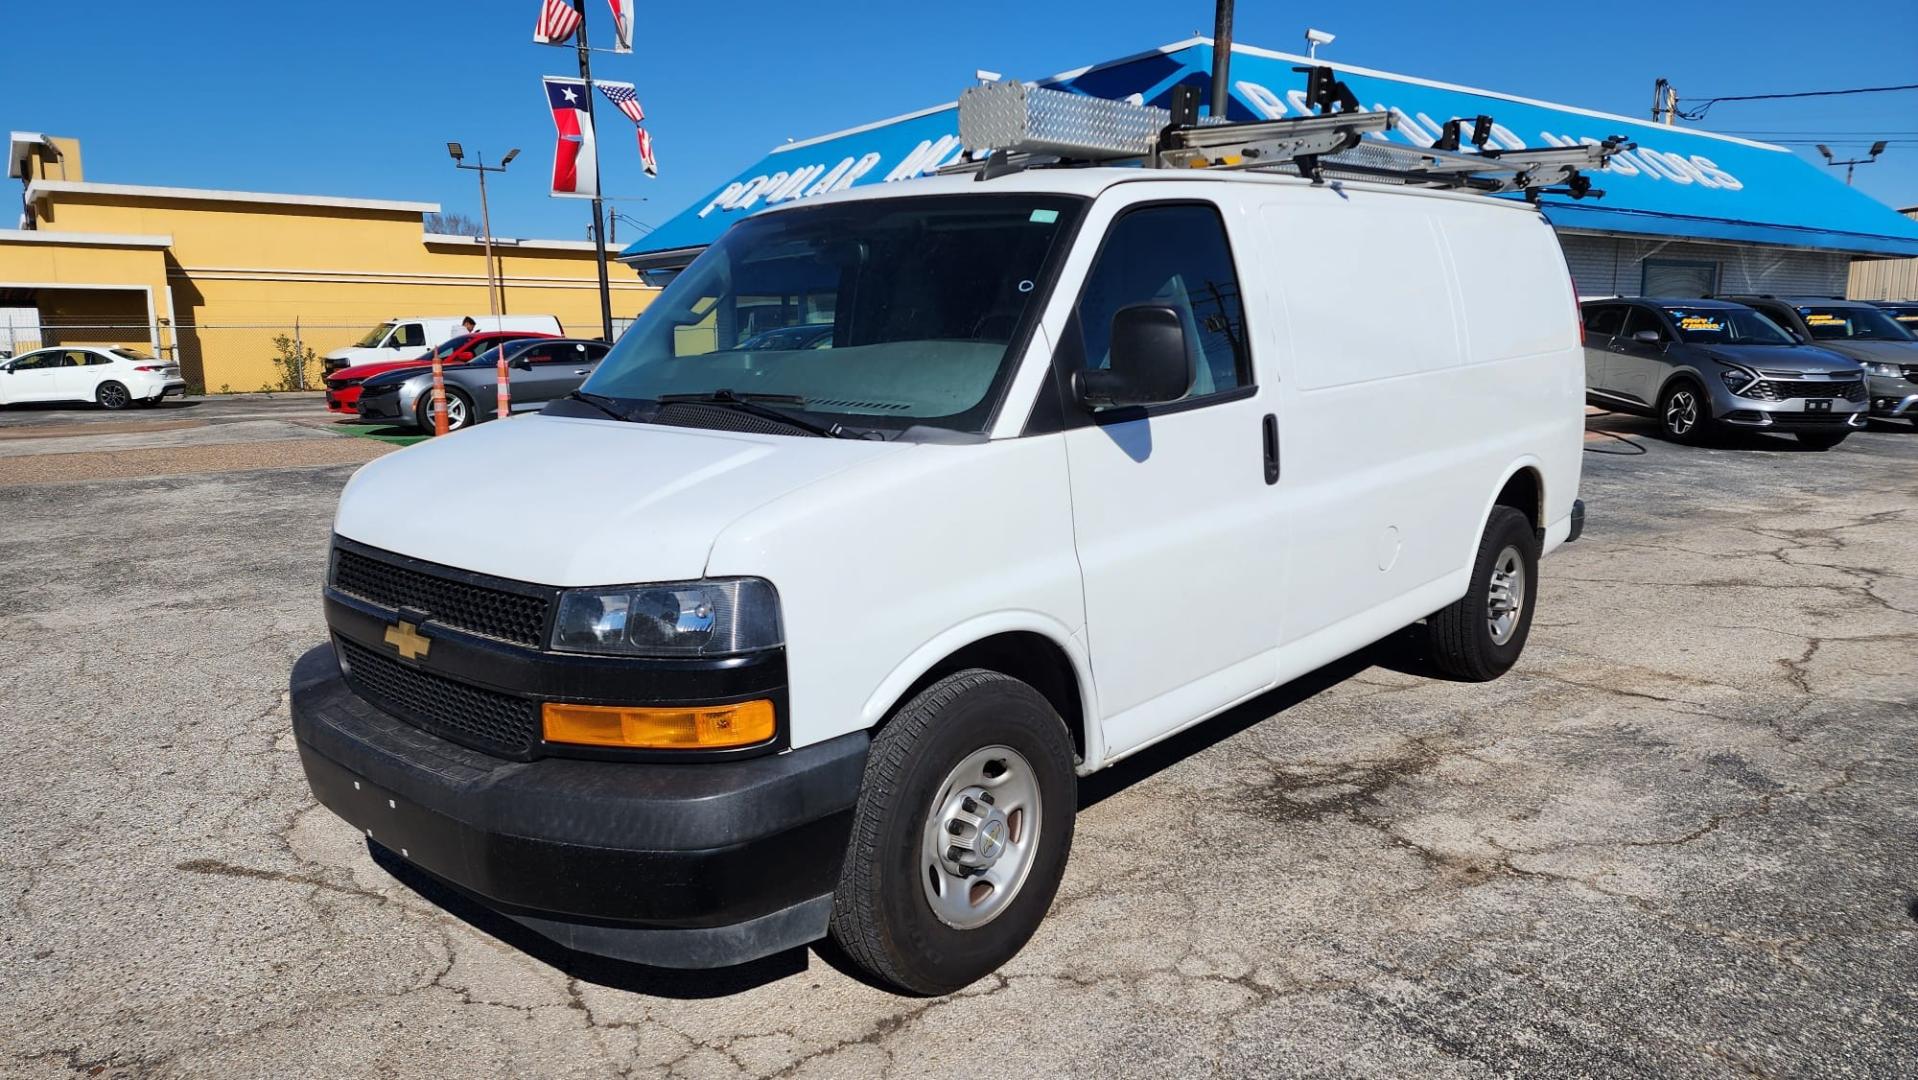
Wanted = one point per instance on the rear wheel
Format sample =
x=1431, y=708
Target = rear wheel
x=1684, y=414
x=960, y=838
x=1479, y=637
x=1822, y=440
x=112, y=395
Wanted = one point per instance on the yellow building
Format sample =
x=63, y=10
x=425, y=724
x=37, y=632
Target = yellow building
x=214, y=277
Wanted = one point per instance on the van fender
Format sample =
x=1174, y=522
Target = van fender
x=1526, y=461
x=893, y=687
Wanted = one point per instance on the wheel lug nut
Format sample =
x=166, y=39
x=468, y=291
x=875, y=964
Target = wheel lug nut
x=986, y=797
x=969, y=805
x=954, y=827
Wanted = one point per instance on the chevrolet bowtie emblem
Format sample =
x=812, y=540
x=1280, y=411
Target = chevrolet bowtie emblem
x=408, y=640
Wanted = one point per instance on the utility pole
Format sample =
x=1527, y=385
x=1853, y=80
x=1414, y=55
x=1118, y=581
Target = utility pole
x=1221, y=57
x=495, y=300
x=599, y=212
x=1664, y=103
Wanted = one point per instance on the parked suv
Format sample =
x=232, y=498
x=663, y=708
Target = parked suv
x=1701, y=365
x=1865, y=333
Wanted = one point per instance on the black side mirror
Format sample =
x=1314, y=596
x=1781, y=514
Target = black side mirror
x=1150, y=363
x=1646, y=337
x=522, y=362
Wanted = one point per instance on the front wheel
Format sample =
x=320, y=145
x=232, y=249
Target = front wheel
x=459, y=411
x=1684, y=414
x=961, y=834
x=1478, y=638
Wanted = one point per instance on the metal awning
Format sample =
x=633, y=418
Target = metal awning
x=1680, y=183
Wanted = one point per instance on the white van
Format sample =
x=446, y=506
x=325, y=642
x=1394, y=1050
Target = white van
x=413, y=335
x=749, y=645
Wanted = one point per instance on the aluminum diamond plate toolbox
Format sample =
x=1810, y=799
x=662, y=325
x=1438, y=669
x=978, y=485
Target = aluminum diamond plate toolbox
x=1014, y=116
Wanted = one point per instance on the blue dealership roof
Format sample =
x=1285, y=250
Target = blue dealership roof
x=1680, y=182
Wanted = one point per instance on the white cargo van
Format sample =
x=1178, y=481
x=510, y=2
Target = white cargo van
x=747, y=644
x=413, y=335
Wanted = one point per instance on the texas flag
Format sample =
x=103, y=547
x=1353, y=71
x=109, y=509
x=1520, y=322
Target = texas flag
x=575, y=160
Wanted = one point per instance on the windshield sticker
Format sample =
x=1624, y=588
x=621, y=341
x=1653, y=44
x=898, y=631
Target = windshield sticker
x=1822, y=318
x=1700, y=322
x=1044, y=217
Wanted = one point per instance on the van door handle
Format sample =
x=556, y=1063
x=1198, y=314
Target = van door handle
x=1271, y=448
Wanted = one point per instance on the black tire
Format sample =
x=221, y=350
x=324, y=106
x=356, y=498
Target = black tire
x=425, y=411
x=1822, y=440
x=112, y=395
x=1691, y=426
x=1460, y=637
x=883, y=916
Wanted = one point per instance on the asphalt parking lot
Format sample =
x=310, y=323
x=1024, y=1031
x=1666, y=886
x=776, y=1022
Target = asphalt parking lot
x=1680, y=839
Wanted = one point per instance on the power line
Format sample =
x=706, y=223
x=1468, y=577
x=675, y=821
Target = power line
x=1698, y=112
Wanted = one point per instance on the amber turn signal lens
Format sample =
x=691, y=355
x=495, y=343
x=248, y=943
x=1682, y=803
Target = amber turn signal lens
x=701, y=727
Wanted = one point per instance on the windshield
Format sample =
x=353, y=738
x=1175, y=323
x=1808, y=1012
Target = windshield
x=1905, y=315
x=883, y=313
x=450, y=346
x=1726, y=326
x=1857, y=323
x=374, y=336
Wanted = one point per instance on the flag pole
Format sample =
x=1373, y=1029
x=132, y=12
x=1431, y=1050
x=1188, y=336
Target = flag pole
x=599, y=211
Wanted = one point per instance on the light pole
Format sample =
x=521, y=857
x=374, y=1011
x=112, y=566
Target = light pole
x=1851, y=166
x=495, y=303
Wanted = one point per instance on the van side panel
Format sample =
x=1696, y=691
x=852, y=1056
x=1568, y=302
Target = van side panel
x=1409, y=392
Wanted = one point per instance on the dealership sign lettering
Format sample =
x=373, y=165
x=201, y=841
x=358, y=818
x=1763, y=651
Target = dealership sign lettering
x=1416, y=129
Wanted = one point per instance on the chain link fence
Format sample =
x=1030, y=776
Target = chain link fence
x=227, y=358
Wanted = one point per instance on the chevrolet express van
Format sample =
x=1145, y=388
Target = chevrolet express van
x=743, y=645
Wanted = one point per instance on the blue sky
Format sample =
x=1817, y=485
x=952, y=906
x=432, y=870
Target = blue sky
x=357, y=98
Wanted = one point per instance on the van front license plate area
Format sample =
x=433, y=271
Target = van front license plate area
x=414, y=832
x=1818, y=405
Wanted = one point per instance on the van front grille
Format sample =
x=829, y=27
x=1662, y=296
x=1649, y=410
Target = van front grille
x=469, y=715
x=478, y=609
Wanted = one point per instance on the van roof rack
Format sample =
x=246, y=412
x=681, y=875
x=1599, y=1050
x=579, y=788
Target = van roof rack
x=1014, y=126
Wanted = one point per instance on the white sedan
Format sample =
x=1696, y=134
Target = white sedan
x=112, y=377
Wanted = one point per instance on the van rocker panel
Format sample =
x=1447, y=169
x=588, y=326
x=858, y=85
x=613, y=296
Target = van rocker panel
x=700, y=864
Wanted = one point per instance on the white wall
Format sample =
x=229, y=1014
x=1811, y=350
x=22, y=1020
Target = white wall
x=1612, y=266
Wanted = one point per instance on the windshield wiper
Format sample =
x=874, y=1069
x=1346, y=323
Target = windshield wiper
x=747, y=403
x=599, y=403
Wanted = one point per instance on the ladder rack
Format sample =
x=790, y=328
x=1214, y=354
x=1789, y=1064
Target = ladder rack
x=1013, y=126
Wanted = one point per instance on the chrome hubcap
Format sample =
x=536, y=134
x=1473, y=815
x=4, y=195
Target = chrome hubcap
x=1681, y=412
x=1505, y=599
x=455, y=413
x=981, y=837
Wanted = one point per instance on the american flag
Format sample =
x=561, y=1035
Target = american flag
x=646, y=159
x=624, y=96
x=557, y=22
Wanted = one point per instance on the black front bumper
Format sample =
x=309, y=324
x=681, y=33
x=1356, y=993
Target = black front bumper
x=680, y=865
x=381, y=406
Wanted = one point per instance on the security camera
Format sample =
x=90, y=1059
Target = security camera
x=1319, y=37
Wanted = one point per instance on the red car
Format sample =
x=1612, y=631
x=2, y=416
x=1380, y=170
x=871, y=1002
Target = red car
x=343, y=386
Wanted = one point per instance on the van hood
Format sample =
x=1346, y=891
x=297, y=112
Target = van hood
x=565, y=501
x=1883, y=352
x=354, y=352
x=1785, y=359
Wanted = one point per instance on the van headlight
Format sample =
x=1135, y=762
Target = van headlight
x=712, y=617
x=1894, y=371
